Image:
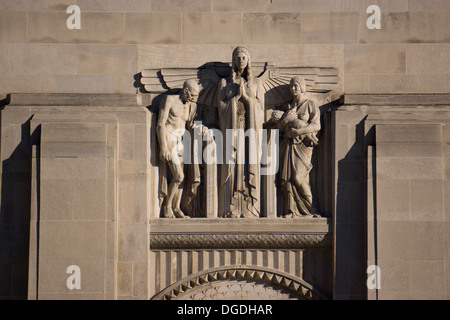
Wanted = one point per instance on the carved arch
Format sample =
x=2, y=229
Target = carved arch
x=275, y=278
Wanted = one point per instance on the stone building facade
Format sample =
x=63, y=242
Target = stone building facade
x=80, y=160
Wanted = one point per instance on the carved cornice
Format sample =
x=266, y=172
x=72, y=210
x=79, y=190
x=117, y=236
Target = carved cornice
x=238, y=240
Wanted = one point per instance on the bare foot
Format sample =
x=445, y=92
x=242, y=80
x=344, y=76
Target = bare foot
x=179, y=214
x=168, y=213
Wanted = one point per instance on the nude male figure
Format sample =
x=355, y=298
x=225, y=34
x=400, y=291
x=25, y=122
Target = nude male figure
x=175, y=112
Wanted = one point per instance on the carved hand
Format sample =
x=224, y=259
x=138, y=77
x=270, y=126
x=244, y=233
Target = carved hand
x=165, y=155
x=292, y=133
x=242, y=92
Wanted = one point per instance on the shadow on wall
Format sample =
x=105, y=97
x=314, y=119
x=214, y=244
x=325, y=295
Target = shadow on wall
x=350, y=245
x=15, y=218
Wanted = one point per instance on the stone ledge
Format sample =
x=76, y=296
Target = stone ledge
x=248, y=234
x=72, y=99
x=396, y=99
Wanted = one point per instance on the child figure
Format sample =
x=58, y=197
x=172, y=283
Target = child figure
x=289, y=119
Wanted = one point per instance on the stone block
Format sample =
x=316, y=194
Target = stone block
x=426, y=240
x=48, y=27
x=395, y=275
x=407, y=83
x=5, y=279
x=124, y=278
x=447, y=168
x=349, y=117
x=72, y=240
x=89, y=200
x=57, y=83
x=341, y=143
x=410, y=240
x=428, y=277
x=13, y=26
x=428, y=58
x=73, y=150
x=410, y=27
x=125, y=84
x=35, y=5
x=212, y=28
x=126, y=142
x=362, y=5
x=283, y=55
x=141, y=143
x=72, y=296
x=132, y=202
x=333, y=27
x=398, y=133
x=132, y=171
x=271, y=28
x=53, y=276
x=140, y=280
x=301, y=5
x=426, y=200
x=375, y=59
x=348, y=6
x=137, y=116
x=393, y=198
x=56, y=168
x=409, y=168
x=409, y=149
x=19, y=279
x=14, y=208
x=152, y=28
x=56, y=199
x=181, y=5
x=393, y=240
x=11, y=138
x=241, y=5
x=115, y=5
x=89, y=168
x=446, y=225
x=430, y=5
x=350, y=202
x=351, y=171
x=17, y=115
x=356, y=83
x=4, y=58
x=15, y=243
x=37, y=58
x=107, y=59
x=133, y=242
x=86, y=133
x=447, y=201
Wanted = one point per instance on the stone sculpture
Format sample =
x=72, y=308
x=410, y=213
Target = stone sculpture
x=176, y=112
x=246, y=96
x=241, y=107
x=300, y=124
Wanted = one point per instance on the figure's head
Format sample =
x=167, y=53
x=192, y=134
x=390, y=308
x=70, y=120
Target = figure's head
x=190, y=91
x=241, y=65
x=298, y=86
x=241, y=59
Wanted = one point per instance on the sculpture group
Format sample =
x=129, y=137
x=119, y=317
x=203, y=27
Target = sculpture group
x=232, y=98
